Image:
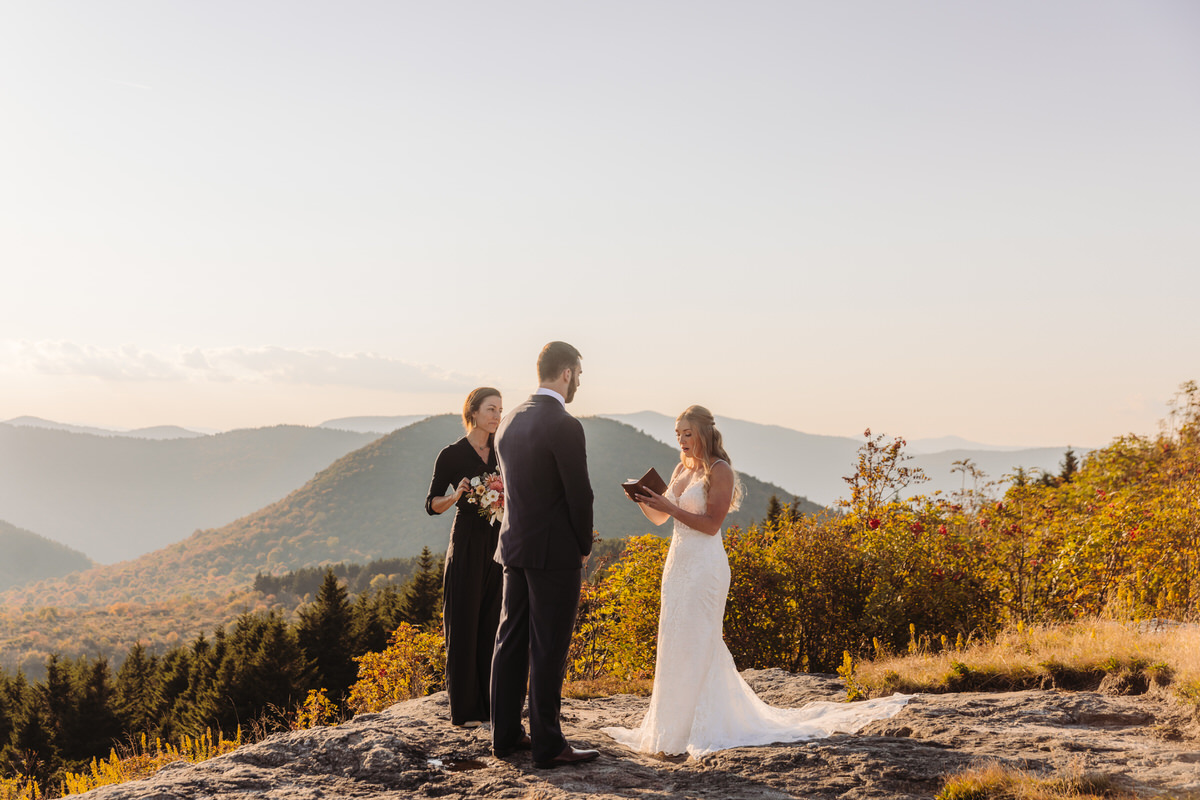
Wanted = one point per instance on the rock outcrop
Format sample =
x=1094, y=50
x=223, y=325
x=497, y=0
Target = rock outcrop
x=1146, y=742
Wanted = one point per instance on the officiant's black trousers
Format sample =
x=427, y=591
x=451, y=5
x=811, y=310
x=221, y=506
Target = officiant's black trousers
x=536, y=622
x=470, y=613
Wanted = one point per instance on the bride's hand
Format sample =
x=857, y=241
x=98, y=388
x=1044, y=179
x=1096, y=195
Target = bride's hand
x=653, y=500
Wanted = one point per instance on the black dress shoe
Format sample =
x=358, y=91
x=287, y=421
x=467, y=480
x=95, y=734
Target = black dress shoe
x=522, y=744
x=568, y=757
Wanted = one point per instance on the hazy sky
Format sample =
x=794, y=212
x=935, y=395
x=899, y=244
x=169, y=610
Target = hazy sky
x=923, y=217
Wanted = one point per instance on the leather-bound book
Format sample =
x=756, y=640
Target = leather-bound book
x=651, y=480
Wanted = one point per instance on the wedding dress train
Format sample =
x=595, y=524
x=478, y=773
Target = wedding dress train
x=700, y=703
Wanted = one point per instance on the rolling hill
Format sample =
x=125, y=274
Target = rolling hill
x=368, y=504
x=812, y=466
x=118, y=497
x=379, y=425
x=25, y=557
x=153, y=432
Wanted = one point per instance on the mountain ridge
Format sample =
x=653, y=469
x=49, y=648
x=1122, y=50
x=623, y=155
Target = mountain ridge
x=367, y=504
x=150, y=432
x=115, y=498
x=812, y=466
x=26, y=556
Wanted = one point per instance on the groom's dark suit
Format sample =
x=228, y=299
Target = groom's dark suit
x=546, y=532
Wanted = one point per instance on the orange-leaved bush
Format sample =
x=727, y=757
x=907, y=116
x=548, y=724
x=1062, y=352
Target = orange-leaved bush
x=413, y=665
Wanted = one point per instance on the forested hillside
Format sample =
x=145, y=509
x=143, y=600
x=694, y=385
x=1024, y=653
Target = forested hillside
x=25, y=557
x=28, y=636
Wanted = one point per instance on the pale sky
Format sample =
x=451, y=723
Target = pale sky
x=928, y=218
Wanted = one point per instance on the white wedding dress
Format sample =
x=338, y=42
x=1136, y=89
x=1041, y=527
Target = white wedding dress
x=700, y=703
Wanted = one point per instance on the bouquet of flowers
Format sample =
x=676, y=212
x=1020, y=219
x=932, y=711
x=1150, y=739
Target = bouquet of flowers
x=487, y=492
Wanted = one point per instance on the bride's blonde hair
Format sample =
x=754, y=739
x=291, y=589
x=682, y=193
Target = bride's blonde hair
x=705, y=433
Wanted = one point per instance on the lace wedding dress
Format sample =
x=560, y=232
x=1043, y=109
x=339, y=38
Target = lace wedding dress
x=700, y=703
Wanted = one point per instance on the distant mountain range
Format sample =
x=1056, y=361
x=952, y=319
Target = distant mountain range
x=155, y=432
x=25, y=557
x=812, y=466
x=369, y=504
x=117, y=497
x=380, y=425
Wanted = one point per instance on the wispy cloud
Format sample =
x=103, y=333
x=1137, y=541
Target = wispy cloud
x=228, y=364
x=67, y=358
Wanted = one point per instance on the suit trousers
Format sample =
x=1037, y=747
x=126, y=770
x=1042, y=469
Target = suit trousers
x=536, y=622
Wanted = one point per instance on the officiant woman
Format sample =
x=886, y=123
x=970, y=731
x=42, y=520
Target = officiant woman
x=473, y=580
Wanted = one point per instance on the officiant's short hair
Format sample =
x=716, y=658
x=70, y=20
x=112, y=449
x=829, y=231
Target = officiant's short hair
x=554, y=358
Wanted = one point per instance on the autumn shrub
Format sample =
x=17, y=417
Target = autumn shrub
x=413, y=665
x=19, y=789
x=899, y=572
x=143, y=759
x=796, y=594
x=616, y=628
x=1118, y=537
x=316, y=711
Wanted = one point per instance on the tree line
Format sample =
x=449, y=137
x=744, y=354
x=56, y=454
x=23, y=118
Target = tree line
x=252, y=675
x=357, y=578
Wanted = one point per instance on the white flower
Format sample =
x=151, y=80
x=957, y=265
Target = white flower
x=491, y=497
x=475, y=481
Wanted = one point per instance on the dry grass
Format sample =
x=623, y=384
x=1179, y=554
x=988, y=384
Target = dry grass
x=998, y=782
x=1074, y=656
x=607, y=686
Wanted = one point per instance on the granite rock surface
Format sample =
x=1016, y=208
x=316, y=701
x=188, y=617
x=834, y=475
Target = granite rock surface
x=1147, y=742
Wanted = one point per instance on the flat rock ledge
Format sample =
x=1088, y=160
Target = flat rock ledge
x=1149, y=743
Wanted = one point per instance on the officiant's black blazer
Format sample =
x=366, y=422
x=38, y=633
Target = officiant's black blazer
x=547, y=494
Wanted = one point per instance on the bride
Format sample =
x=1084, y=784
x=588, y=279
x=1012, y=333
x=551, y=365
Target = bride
x=700, y=703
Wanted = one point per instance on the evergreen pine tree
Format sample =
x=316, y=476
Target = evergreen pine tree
x=774, y=509
x=324, y=632
x=32, y=754
x=199, y=708
x=174, y=675
x=138, y=694
x=423, y=594
x=262, y=668
x=58, y=705
x=17, y=696
x=95, y=727
x=1069, y=466
x=367, y=631
x=7, y=710
x=389, y=607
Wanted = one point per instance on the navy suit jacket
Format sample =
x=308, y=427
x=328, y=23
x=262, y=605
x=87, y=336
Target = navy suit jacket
x=547, y=494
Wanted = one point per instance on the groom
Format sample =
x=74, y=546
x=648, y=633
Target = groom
x=545, y=540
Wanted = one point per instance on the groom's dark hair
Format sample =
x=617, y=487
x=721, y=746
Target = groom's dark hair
x=554, y=358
